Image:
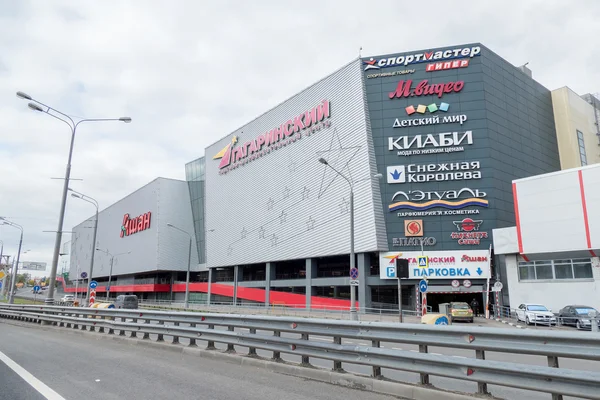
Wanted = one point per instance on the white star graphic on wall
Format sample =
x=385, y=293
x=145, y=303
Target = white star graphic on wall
x=282, y=217
x=338, y=157
x=261, y=233
x=310, y=224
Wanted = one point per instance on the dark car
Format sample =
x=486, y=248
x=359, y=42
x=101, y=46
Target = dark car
x=128, y=301
x=578, y=316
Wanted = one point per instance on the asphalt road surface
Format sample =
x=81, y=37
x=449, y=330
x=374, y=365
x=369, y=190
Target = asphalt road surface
x=70, y=366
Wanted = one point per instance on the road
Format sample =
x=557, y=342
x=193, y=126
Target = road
x=81, y=367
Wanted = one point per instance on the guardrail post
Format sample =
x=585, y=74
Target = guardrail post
x=553, y=363
x=252, y=350
x=160, y=337
x=133, y=333
x=376, y=370
x=424, y=377
x=276, y=354
x=481, y=386
x=122, y=331
x=60, y=323
x=101, y=328
x=175, y=338
x=192, y=341
x=146, y=335
x=230, y=347
x=305, y=359
x=83, y=326
x=211, y=344
x=92, y=327
x=337, y=365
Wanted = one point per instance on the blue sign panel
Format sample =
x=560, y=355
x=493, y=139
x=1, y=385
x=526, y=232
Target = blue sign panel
x=93, y=284
x=423, y=286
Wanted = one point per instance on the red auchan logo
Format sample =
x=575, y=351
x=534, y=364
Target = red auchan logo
x=134, y=225
x=466, y=258
x=405, y=89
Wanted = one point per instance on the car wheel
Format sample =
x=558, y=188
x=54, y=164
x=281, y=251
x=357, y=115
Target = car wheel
x=578, y=324
x=527, y=321
x=471, y=321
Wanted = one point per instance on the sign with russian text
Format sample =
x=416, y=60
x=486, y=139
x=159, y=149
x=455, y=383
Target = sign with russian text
x=134, y=225
x=451, y=264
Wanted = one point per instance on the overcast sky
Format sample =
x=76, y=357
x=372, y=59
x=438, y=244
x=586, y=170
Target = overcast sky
x=190, y=72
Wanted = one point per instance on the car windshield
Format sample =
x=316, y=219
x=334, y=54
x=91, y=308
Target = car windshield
x=460, y=306
x=536, y=308
x=584, y=310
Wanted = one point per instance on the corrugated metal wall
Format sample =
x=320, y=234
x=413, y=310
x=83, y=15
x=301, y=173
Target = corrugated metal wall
x=287, y=205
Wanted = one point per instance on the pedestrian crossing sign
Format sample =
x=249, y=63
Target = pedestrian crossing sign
x=423, y=261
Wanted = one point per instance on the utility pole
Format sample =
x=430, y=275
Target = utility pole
x=4, y=280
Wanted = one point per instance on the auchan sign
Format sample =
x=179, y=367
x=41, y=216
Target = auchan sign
x=136, y=224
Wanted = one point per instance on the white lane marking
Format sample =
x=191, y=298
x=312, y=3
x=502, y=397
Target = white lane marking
x=397, y=348
x=38, y=385
x=436, y=354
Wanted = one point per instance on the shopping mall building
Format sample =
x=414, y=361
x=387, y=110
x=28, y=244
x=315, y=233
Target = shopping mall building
x=428, y=143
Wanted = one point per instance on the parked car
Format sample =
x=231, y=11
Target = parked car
x=536, y=314
x=460, y=311
x=128, y=301
x=67, y=298
x=578, y=316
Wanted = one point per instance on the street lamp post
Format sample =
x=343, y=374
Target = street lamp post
x=112, y=259
x=92, y=201
x=353, y=314
x=16, y=268
x=41, y=107
x=187, y=277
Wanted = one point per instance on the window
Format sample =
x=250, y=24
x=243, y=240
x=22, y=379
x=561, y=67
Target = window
x=581, y=143
x=579, y=268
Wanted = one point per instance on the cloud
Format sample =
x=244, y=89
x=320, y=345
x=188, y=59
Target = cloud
x=190, y=72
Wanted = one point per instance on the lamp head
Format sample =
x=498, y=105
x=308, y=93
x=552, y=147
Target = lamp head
x=323, y=161
x=125, y=119
x=35, y=107
x=25, y=96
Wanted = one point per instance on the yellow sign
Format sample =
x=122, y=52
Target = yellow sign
x=2, y=274
x=423, y=261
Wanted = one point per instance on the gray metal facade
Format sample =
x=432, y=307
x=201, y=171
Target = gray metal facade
x=158, y=248
x=513, y=135
x=284, y=204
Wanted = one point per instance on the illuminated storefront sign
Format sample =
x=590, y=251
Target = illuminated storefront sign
x=134, y=225
x=426, y=56
x=419, y=200
x=468, y=232
x=414, y=173
x=236, y=154
x=441, y=264
x=442, y=66
x=448, y=142
x=423, y=88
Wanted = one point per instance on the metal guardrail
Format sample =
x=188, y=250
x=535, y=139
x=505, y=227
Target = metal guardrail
x=337, y=312
x=251, y=333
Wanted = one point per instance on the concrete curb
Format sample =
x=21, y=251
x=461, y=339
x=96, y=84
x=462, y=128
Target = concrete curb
x=360, y=382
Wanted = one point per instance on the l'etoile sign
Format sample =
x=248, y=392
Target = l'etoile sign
x=461, y=52
x=234, y=155
x=414, y=173
x=448, y=142
x=136, y=224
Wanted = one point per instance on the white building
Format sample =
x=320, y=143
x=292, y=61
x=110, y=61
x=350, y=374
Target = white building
x=552, y=254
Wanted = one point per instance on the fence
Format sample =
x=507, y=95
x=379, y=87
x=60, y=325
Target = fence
x=293, y=336
x=322, y=311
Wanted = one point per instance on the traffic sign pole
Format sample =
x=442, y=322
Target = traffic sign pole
x=399, y=299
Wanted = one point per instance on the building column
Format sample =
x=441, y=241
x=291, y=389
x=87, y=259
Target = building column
x=364, y=293
x=236, y=271
x=311, y=271
x=269, y=273
x=210, y=278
